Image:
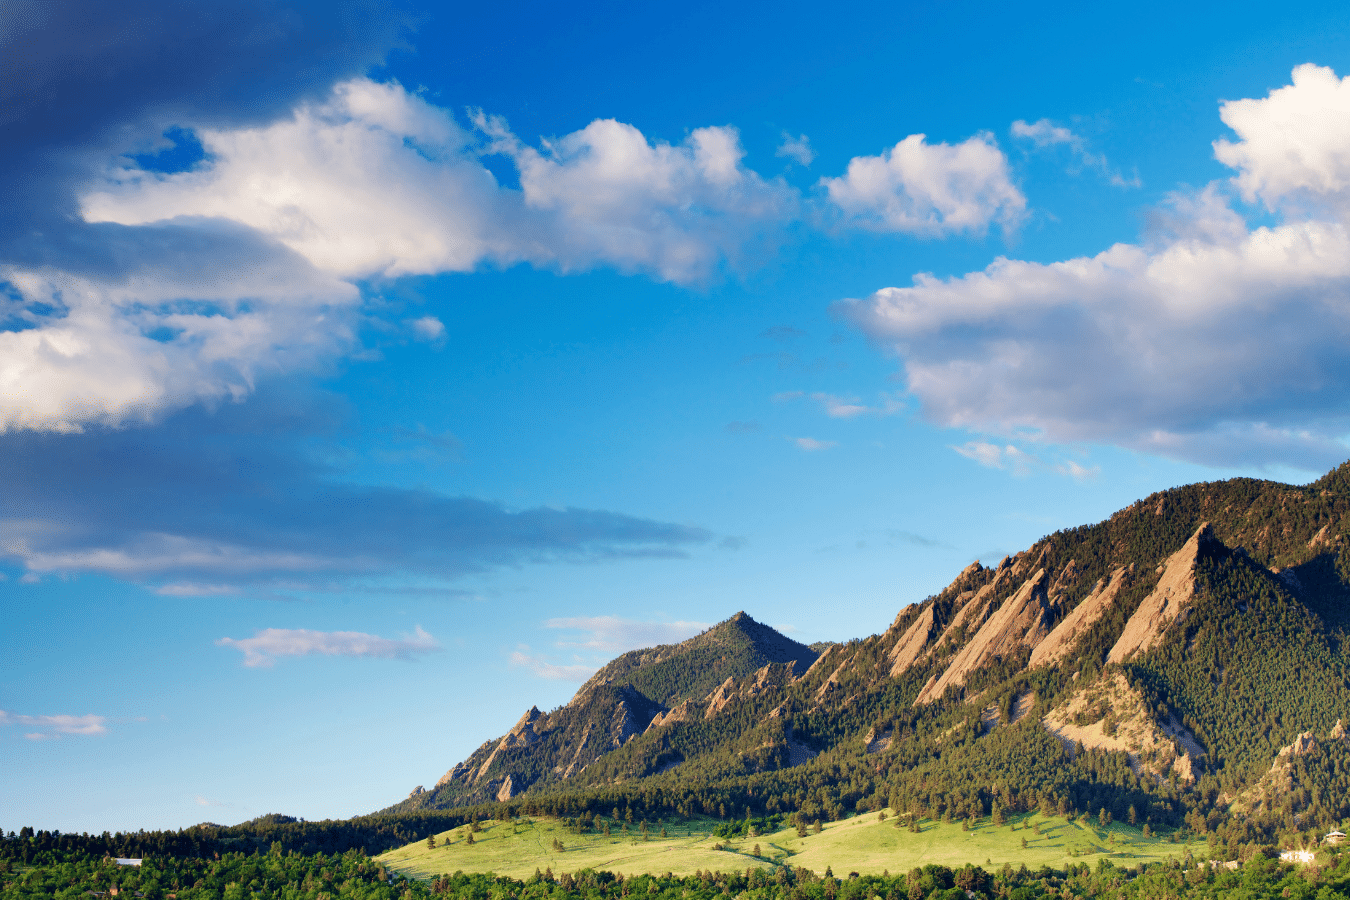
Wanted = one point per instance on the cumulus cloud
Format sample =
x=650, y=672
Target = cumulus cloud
x=798, y=149
x=372, y=181
x=615, y=635
x=930, y=190
x=1212, y=341
x=1044, y=133
x=155, y=288
x=52, y=727
x=263, y=649
x=1293, y=147
x=606, y=194
x=193, y=315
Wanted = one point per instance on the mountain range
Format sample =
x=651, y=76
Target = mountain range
x=1182, y=664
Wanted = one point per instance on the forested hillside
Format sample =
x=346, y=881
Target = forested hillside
x=1151, y=667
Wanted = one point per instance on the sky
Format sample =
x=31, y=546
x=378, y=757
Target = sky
x=370, y=372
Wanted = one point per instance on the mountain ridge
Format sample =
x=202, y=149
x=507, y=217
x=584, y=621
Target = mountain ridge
x=1181, y=642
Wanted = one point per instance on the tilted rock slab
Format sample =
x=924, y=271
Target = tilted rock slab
x=1171, y=599
x=1022, y=621
x=1060, y=642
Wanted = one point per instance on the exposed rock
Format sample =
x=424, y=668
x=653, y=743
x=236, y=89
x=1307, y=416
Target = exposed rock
x=1321, y=537
x=719, y=698
x=682, y=713
x=916, y=639
x=510, y=788
x=1278, y=783
x=1060, y=642
x=971, y=613
x=1022, y=621
x=878, y=741
x=629, y=720
x=831, y=684
x=522, y=735
x=1118, y=719
x=1170, y=600
x=820, y=660
x=417, y=790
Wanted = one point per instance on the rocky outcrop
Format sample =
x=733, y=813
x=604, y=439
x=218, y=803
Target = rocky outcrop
x=1169, y=602
x=912, y=644
x=719, y=698
x=1279, y=784
x=1111, y=715
x=511, y=786
x=1060, y=642
x=682, y=713
x=522, y=735
x=1022, y=621
x=878, y=740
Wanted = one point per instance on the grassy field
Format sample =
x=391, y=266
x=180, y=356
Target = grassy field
x=861, y=844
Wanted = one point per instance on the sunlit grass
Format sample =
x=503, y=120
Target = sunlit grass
x=861, y=844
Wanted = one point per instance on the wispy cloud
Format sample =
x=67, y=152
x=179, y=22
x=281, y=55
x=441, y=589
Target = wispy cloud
x=841, y=407
x=427, y=328
x=268, y=514
x=812, y=445
x=524, y=658
x=1044, y=133
x=615, y=635
x=798, y=149
x=263, y=649
x=1021, y=463
x=52, y=727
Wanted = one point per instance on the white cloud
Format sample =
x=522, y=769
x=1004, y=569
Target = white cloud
x=837, y=407
x=1044, y=133
x=197, y=323
x=191, y=589
x=932, y=190
x=797, y=149
x=428, y=328
x=244, y=266
x=523, y=658
x=373, y=181
x=605, y=194
x=203, y=801
x=1020, y=463
x=811, y=445
x=52, y=727
x=1294, y=145
x=262, y=650
x=614, y=635
x=1212, y=342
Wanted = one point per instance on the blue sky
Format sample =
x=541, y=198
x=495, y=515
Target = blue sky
x=370, y=372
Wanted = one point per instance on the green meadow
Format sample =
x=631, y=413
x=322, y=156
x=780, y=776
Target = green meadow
x=860, y=844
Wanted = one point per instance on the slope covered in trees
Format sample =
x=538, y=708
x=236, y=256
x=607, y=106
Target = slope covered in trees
x=1220, y=607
